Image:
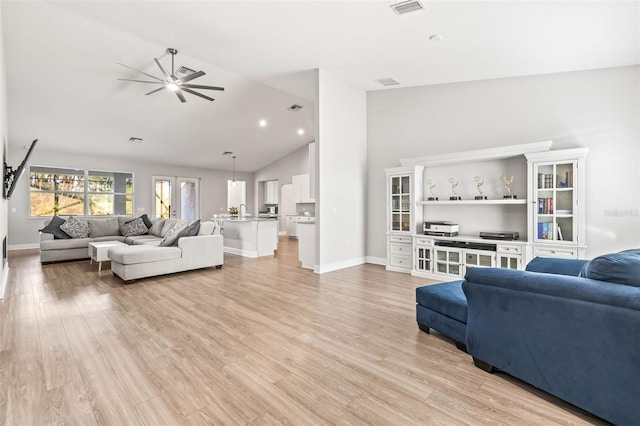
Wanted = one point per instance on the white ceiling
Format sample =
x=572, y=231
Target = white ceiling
x=62, y=65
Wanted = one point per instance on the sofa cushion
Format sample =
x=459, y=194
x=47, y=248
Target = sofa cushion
x=71, y=243
x=557, y=266
x=134, y=227
x=621, y=268
x=129, y=255
x=157, y=225
x=207, y=228
x=53, y=227
x=445, y=298
x=171, y=238
x=75, y=228
x=103, y=227
x=109, y=238
x=136, y=239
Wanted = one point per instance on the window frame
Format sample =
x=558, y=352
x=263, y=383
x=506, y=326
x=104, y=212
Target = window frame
x=86, y=192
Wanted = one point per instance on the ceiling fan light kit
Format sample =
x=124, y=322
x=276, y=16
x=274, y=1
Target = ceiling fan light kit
x=177, y=84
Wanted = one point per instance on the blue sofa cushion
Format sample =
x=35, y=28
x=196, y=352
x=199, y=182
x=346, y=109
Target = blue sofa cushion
x=621, y=268
x=445, y=298
x=550, y=265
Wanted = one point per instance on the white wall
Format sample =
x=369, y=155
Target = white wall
x=3, y=137
x=213, y=186
x=598, y=109
x=341, y=150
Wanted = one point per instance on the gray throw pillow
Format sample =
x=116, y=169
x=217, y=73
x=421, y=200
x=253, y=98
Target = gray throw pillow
x=53, y=227
x=134, y=227
x=191, y=230
x=75, y=228
x=171, y=238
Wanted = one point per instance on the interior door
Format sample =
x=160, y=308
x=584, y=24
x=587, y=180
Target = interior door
x=176, y=197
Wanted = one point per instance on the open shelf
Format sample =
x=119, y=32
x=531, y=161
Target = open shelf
x=475, y=202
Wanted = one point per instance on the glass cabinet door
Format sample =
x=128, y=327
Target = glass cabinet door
x=400, y=203
x=556, y=201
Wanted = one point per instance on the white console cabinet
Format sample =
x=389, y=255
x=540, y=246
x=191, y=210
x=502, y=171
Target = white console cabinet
x=551, y=215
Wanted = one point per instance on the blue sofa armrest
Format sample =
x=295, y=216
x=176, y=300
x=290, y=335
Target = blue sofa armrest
x=573, y=337
x=552, y=265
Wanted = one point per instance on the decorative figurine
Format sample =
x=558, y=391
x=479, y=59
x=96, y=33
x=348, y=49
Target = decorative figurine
x=508, y=180
x=454, y=182
x=479, y=182
x=432, y=185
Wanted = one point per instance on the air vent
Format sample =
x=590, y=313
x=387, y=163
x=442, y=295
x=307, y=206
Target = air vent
x=227, y=153
x=387, y=82
x=406, y=7
x=295, y=107
x=133, y=139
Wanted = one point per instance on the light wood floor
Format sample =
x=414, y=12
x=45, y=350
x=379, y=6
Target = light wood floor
x=259, y=342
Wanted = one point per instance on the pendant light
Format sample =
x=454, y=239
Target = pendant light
x=233, y=182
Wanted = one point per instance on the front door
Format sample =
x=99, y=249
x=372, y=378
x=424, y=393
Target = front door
x=176, y=197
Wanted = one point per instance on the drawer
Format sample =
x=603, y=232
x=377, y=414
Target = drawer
x=400, y=239
x=402, y=249
x=420, y=241
x=509, y=249
x=563, y=252
x=400, y=261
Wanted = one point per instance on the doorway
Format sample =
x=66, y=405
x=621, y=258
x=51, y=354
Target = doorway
x=176, y=197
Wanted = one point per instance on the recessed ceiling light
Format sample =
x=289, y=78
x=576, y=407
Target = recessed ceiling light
x=436, y=37
x=301, y=131
x=262, y=123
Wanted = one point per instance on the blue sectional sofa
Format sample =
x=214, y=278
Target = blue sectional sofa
x=576, y=337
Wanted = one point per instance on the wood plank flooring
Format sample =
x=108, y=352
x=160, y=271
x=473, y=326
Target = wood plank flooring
x=258, y=342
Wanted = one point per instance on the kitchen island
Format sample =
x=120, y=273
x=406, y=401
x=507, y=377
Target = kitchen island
x=250, y=237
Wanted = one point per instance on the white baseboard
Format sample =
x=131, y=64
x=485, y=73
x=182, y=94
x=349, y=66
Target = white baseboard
x=3, y=283
x=281, y=233
x=321, y=269
x=376, y=260
x=23, y=246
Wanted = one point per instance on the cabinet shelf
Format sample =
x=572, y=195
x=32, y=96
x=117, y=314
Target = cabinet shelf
x=478, y=202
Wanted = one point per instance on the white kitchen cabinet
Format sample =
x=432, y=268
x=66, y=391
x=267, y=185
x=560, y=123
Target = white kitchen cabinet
x=271, y=189
x=291, y=226
x=302, y=188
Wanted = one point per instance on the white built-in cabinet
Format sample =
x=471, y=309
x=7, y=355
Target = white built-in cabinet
x=556, y=229
x=271, y=190
x=404, y=187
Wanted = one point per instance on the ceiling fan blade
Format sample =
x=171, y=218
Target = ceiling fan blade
x=198, y=86
x=140, y=81
x=197, y=94
x=157, y=90
x=163, y=69
x=192, y=76
x=180, y=96
x=142, y=72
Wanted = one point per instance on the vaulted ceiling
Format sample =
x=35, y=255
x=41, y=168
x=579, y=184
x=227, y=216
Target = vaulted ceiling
x=62, y=65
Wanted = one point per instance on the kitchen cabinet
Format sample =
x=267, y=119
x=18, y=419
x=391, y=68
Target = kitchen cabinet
x=302, y=188
x=271, y=189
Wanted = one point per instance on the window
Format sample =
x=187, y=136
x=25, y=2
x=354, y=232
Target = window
x=57, y=191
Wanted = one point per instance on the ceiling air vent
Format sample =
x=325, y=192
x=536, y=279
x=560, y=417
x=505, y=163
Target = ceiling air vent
x=406, y=7
x=184, y=71
x=387, y=82
x=295, y=107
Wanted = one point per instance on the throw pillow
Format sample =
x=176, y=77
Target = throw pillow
x=53, y=227
x=621, y=268
x=134, y=227
x=191, y=230
x=171, y=238
x=75, y=228
x=207, y=228
x=145, y=219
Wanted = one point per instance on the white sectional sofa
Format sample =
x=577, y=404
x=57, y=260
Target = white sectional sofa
x=142, y=256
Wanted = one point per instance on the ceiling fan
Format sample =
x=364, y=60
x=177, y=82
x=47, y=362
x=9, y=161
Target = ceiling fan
x=175, y=82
